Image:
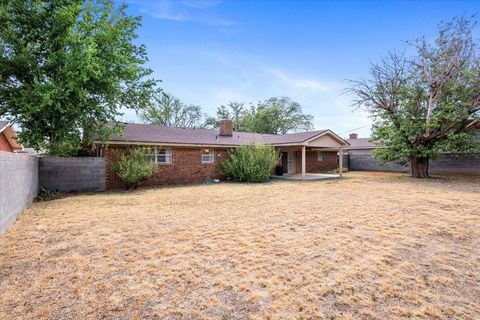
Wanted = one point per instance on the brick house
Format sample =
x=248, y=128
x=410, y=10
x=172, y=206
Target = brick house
x=188, y=155
x=8, y=138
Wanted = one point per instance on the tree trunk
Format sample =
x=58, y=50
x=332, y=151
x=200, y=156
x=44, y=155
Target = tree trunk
x=419, y=167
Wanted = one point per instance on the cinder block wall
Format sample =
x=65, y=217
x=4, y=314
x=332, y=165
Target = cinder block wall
x=467, y=164
x=18, y=185
x=73, y=174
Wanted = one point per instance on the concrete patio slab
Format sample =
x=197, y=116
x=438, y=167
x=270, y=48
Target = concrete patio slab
x=308, y=176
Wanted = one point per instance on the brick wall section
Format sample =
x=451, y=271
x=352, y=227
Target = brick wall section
x=72, y=174
x=312, y=164
x=18, y=185
x=4, y=144
x=186, y=167
x=469, y=164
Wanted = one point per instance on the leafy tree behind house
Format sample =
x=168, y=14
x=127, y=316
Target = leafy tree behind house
x=167, y=110
x=66, y=67
x=240, y=115
x=277, y=115
x=426, y=104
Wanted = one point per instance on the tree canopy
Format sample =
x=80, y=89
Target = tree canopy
x=66, y=67
x=428, y=103
x=167, y=110
x=277, y=115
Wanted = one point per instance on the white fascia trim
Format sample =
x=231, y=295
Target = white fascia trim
x=330, y=132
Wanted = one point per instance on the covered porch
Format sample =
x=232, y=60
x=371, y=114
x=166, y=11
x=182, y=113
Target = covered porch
x=317, y=158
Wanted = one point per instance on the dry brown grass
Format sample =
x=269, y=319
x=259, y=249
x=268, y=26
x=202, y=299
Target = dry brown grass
x=371, y=246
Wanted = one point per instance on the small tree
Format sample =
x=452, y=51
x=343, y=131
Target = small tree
x=135, y=167
x=251, y=163
x=428, y=104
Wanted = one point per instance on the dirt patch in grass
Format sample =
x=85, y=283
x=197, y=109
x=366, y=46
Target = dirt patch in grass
x=370, y=246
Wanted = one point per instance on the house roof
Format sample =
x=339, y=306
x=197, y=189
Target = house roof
x=147, y=133
x=360, y=143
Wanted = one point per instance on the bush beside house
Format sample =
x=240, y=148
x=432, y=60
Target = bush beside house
x=250, y=163
x=134, y=167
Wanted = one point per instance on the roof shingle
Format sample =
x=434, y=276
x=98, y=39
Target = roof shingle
x=147, y=133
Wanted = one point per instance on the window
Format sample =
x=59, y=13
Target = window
x=207, y=155
x=164, y=155
x=320, y=156
x=150, y=154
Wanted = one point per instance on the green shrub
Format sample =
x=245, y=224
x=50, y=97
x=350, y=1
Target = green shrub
x=134, y=167
x=251, y=163
x=47, y=194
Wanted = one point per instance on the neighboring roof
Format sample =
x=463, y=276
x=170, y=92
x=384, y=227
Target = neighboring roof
x=3, y=125
x=31, y=151
x=365, y=143
x=360, y=143
x=147, y=133
x=7, y=130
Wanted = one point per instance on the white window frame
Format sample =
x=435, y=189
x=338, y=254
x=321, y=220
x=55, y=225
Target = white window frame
x=320, y=156
x=168, y=155
x=211, y=154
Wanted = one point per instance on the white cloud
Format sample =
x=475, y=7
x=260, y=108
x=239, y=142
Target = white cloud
x=194, y=11
x=298, y=83
x=201, y=4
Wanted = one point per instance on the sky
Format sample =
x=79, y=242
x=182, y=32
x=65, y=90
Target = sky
x=210, y=52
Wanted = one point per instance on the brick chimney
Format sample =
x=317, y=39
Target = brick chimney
x=353, y=136
x=226, y=127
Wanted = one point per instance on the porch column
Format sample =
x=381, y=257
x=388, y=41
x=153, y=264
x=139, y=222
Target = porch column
x=340, y=161
x=303, y=161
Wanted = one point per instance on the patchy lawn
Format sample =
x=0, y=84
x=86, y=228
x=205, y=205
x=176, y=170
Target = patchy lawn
x=370, y=246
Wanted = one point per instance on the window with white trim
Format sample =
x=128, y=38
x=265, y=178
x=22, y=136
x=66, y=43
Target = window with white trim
x=164, y=155
x=150, y=154
x=208, y=155
x=320, y=156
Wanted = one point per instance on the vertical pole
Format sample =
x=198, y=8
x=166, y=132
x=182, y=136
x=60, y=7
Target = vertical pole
x=340, y=161
x=303, y=161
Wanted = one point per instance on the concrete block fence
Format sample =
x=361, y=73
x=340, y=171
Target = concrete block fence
x=466, y=164
x=22, y=174
x=73, y=174
x=18, y=185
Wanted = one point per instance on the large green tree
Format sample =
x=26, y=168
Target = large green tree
x=167, y=110
x=426, y=104
x=66, y=67
x=240, y=115
x=277, y=115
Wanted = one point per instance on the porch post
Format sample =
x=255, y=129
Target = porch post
x=340, y=161
x=303, y=161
